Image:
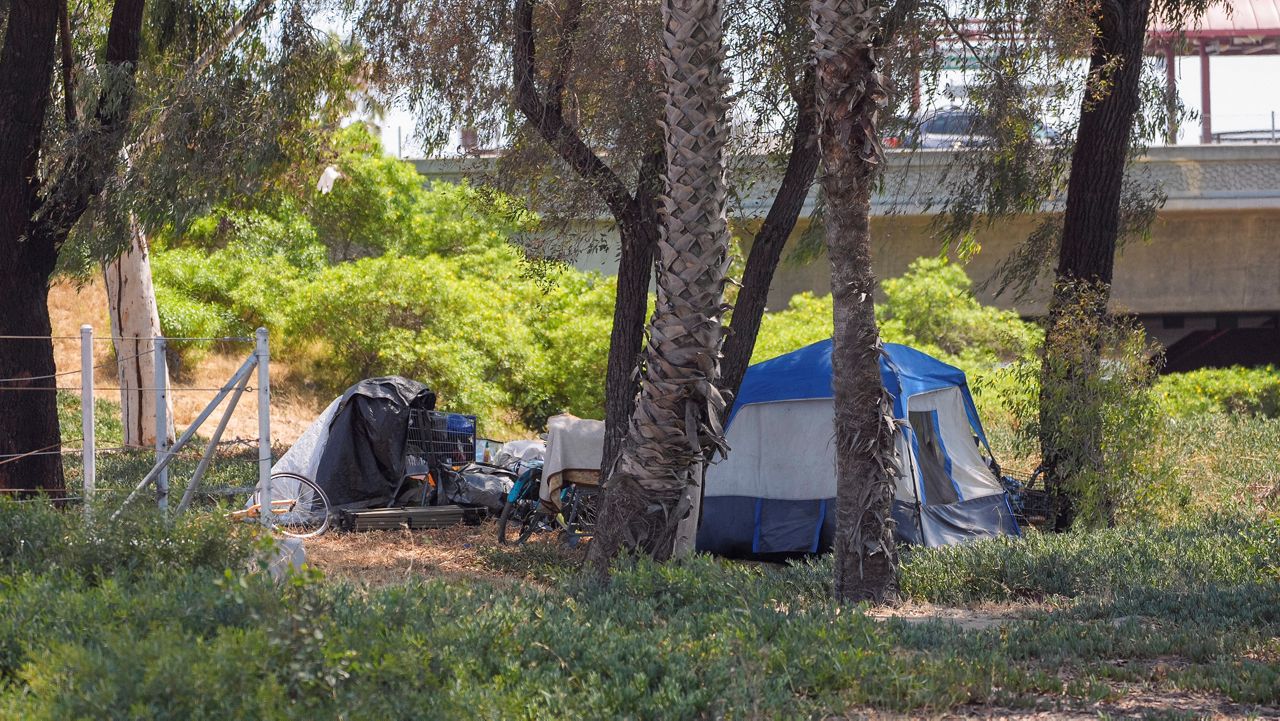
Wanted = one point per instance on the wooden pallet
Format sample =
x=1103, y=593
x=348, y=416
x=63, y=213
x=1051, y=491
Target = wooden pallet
x=411, y=517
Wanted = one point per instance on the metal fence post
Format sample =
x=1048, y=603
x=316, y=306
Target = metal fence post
x=162, y=422
x=89, y=470
x=264, y=424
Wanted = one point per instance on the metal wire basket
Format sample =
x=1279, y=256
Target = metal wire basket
x=443, y=440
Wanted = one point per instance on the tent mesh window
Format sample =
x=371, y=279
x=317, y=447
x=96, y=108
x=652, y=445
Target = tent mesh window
x=442, y=439
x=938, y=486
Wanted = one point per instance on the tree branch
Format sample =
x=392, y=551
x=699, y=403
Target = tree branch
x=767, y=246
x=96, y=149
x=68, y=66
x=550, y=123
x=202, y=63
x=569, y=25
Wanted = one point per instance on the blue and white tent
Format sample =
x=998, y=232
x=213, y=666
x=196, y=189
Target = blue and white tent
x=775, y=493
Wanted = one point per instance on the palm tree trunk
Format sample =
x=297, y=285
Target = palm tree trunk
x=850, y=94
x=675, y=426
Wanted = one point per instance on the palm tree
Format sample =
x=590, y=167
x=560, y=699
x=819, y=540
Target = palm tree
x=850, y=94
x=676, y=422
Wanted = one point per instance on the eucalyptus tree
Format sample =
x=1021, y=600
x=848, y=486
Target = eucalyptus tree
x=70, y=181
x=569, y=91
x=1094, y=220
x=47, y=179
x=228, y=105
x=1082, y=182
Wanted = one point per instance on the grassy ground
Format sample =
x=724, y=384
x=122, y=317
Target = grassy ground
x=135, y=620
x=1176, y=616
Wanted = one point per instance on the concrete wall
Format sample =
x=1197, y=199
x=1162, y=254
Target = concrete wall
x=1214, y=261
x=1215, y=247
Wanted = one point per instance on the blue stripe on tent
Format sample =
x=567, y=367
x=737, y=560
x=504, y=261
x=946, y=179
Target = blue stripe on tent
x=946, y=457
x=817, y=527
x=755, y=534
x=921, y=496
x=1017, y=528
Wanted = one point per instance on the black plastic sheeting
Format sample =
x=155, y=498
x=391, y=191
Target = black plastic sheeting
x=363, y=459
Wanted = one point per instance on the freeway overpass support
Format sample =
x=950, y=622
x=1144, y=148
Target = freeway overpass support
x=1206, y=283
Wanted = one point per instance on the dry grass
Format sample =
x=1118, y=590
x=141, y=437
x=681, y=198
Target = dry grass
x=458, y=552
x=293, y=407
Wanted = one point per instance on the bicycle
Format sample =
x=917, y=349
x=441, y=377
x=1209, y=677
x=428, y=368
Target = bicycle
x=519, y=514
x=523, y=514
x=299, y=507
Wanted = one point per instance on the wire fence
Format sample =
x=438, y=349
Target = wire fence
x=164, y=450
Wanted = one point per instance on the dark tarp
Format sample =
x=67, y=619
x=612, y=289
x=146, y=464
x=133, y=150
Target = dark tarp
x=476, y=487
x=363, y=458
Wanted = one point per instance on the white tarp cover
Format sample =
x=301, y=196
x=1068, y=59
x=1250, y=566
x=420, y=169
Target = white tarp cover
x=303, y=457
x=575, y=447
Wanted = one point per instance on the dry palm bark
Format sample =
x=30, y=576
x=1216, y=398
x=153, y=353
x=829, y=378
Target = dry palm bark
x=849, y=94
x=675, y=426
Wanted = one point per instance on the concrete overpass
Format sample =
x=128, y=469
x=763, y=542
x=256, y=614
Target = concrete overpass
x=1206, y=284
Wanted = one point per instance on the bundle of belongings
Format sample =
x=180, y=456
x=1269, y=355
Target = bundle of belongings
x=574, y=449
x=355, y=449
x=368, y=450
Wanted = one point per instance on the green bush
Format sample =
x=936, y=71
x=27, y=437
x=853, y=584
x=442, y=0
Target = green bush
x=1254, y=391
x=1113, y=562
x=37, y=538
x=1098, y=415
x=690, y=639
x=476, y=329
x=932, y=307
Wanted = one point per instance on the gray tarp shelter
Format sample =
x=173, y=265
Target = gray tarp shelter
x=355, y=449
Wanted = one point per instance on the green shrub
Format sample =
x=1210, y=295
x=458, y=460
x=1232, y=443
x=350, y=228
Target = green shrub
x=700, y=637
x=1097, y=420
x=1139, y=558
x=37, y=538
x=1254, y=391
x=476, y=329
x=931, y=307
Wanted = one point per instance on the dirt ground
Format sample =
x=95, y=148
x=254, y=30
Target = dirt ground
x=292, y=407
x=385, y=557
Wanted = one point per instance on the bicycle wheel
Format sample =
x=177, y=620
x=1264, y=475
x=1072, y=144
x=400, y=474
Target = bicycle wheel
x=299, y=507
x=512, y=520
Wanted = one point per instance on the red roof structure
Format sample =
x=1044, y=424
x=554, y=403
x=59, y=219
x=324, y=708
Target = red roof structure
x=1236, y=27
x=1240, y=27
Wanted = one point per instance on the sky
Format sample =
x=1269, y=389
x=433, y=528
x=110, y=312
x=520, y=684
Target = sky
x=1245, y=96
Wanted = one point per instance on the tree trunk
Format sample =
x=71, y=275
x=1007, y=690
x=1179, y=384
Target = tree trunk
x=631, y=302
x=1091, y=223
x=676, y=423
x=35, y=221
x=28, y=408
x=849, y=95
x=135, y=320
x=766, y=249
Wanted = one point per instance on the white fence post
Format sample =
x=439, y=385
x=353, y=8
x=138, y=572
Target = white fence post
x=89, y=470
x=162, y=422
x=264, y=424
